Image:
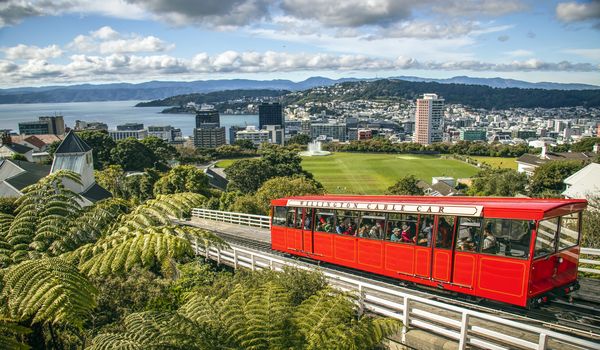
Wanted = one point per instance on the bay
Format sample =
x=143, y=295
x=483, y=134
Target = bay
x=112, y=113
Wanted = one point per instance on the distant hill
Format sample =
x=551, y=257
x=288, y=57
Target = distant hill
x=162, y=89
x=150, y=90
x=476, y=96
x=502, y=83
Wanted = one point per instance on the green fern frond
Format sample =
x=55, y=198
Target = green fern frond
x=48, y=290
x=9, y=332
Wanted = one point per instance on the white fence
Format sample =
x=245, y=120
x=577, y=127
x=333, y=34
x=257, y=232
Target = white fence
x=261, y=221
x=591, y=257
x=588, y=256
x=468, y=328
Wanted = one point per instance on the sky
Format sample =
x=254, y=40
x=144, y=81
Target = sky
x=62, y=42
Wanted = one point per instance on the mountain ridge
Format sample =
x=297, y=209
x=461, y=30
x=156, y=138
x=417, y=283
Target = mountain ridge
x=152, y=90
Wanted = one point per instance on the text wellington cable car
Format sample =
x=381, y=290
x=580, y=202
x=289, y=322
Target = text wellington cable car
x=514, y=250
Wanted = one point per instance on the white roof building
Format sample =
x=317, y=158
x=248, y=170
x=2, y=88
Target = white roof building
x=585, y=183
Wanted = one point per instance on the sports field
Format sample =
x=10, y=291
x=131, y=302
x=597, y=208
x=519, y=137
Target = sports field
x=368, y=173
x=497, y=162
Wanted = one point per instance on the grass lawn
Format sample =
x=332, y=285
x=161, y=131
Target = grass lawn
x=368, y=173
x=225, y=163
x=498, y=162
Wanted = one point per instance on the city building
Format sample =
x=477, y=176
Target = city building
x=429, y=117
x=233, y=131
x=276, y=134
x=207, y=116
x=330, y=131
x=473, y=135
x=209, y=135
x=162, y=132
x=524, y=134
x=83, y=125
x=364, y=134
x=270, y=114
x=253, y=134
x=130, y=127
x=123, y=134
x=44, y=125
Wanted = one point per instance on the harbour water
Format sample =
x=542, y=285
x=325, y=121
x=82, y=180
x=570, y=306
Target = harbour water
x=110, y=112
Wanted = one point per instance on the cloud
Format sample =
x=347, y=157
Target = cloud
x=31, y=52
x=220, y=13
x=575, y=11
x=531, y=35
x=14, y=11
x=106, y=41
x=427, y=30
x=519, y=53
x=479, y=8
x=123, y=66
x=503, y=38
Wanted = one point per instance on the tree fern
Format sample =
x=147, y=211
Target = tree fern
x=42, y=215
x=47, y=290
x=9, y=334
x=92, y=224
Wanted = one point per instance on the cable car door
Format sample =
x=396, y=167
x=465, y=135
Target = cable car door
x=307, y=231
x=441, y=265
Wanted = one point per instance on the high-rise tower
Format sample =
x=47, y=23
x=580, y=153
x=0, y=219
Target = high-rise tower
x=429, y=119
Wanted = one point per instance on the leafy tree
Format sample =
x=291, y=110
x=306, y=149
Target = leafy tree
x=227, y=199
x=498, y=182
x=163, y=151
x=247, y=204
x=133, y=155
x=406, y=186
x=585, y=144
x=590, y=224
x=140, y=187
x=112, y=178
x=245, y=144
x=279, y=187
x=547, y=180
x=299, y=139
x=51, y=149
x=101, y=145
x=247, y=175
x=183, y=178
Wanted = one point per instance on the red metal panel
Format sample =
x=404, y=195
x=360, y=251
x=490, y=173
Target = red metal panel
x=308, y=241
x=423, y=261
x=400, y=258
x=541, y=275
x=503, y=279
x=344, y=248
x=370, y=253
x=323, y=244
x=464, y=269
x=567, y=269
x=442, y=260
x=278, y=238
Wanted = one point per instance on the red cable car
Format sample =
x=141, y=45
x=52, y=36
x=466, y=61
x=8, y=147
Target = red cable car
x=520, y=251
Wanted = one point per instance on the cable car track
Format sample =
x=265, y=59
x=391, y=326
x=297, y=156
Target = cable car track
x=577, y=319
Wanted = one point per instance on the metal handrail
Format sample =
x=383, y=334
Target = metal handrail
x=468, y=327
x=263, y=221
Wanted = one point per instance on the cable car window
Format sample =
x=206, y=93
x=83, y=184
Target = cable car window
x=325, y=220
x=445, y=231
x=425, y=230
x=468, y=234
x=291, y=217
x=371, y=225
x=279, y=216
x=546, y=237
x=569, y=230
x=506, y=237
x=401, y=228
x=308, y=218
x=346, y=222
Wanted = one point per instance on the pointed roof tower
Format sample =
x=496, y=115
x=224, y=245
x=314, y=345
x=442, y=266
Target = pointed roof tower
x=72, y=144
